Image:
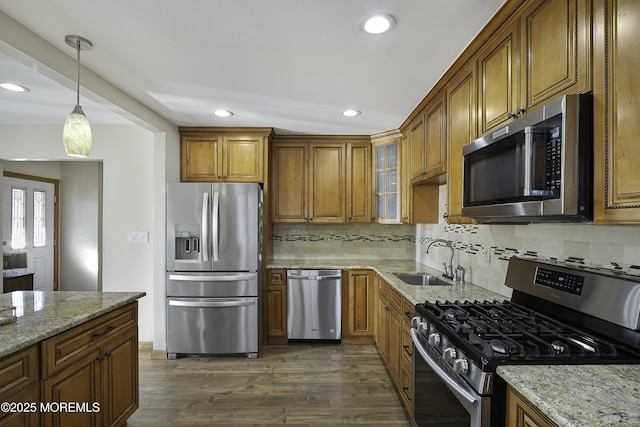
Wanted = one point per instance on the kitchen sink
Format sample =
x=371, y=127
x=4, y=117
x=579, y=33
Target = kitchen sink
x=421, y=279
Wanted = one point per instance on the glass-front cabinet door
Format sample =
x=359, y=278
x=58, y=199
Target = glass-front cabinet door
x=386, y=171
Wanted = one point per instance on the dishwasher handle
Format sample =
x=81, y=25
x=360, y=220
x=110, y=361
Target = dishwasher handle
x=314, y=277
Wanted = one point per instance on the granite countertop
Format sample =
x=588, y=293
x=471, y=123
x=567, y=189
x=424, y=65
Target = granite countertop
x=580, y=395
x=386, y=268
x=41, y=314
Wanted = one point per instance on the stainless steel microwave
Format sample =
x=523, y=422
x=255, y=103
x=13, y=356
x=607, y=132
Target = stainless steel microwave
x=539, y=168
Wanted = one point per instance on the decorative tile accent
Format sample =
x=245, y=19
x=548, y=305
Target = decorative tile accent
x=394, y=238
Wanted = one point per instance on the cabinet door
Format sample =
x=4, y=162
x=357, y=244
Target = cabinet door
x=406, y=193
x=498, y=68
x=28, y=398
x=435, y=139
x=199, y=158
x=382, y=327
x=386, y=170
x=358, y=306
x=521, y=413
x=120, y=371
x=327, y=183
x=461, y=129
x=243, y=159
x=616, y=112
x=80, y=382
x=555, y=49
x=359, y=182
x=416, y=149
x=289, y=182
x=394, y=323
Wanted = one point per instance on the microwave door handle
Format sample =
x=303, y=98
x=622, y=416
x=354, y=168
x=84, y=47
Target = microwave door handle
x=215, y=226
x=528, y=161
x=204, y=227
x=457, y=389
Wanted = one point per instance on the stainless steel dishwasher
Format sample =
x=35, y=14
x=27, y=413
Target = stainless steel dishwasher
x=314, y=304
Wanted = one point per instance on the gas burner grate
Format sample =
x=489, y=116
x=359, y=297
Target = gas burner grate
x=506, y=330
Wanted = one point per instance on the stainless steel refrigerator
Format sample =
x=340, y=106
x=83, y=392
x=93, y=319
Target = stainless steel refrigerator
x=213, y=268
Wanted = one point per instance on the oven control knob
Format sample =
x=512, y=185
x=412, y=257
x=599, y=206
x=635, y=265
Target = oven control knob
x=417, y=320
x=450, y=354
x=434, y=339
x=461, y=366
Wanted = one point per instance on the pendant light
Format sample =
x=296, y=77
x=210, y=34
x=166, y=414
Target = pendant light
x=77, y=132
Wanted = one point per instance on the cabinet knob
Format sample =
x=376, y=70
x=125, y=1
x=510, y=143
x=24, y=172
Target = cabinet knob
x=511, y=115
x=521, y=110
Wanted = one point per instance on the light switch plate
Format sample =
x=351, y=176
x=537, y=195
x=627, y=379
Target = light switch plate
x=137, y=237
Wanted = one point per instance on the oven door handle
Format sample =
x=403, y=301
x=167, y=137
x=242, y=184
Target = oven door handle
x=456, y=388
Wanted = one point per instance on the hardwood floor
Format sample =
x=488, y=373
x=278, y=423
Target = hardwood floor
x=295, y=384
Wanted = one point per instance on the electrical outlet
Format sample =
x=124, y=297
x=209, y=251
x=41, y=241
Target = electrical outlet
x=137, y=237
x=486, y=253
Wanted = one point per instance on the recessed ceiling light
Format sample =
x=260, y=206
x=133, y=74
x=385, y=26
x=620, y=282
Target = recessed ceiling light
x=378, y=24
x=351, y=113
x=222, y=113
x=13, y=87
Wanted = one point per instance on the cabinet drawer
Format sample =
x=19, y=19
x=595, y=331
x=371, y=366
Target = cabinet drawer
x=68, y=347
x=407, y=346
x=406, y=388
x=395, y=300
x=18, y=371
x=408, y=311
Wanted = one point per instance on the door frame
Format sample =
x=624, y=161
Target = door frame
x=56, y=211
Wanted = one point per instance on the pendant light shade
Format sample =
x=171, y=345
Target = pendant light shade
x=76, y=135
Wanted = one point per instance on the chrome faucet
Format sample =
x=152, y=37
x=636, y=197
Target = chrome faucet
x=448, y=269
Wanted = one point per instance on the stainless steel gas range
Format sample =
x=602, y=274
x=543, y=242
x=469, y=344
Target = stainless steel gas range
x=558, y=314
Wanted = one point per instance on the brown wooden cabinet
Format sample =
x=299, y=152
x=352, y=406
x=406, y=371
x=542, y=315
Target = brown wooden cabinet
x=616, y=112
x=223, y=154
x=521, y=413
x=19, y=384
x=542, y=52
x=276, y=307
x=319, y=179
x=95, y=363
x=359, y=200
x=17, y=282
x=358, y=306
x=427, y=142
x=461, y=129
x=387, y=177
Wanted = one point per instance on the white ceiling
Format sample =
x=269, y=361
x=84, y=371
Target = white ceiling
x=289, y=64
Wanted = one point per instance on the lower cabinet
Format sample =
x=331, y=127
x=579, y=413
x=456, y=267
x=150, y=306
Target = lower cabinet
x=276, y=307
x=358, y=303
x=521, y=413
x=20, y=388
x=393, y=340
x=93, y=366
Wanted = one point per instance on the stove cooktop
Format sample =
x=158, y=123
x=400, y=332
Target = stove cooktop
x=505, y=332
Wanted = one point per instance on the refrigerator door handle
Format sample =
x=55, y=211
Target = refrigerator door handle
x=211, y=278
x=201, y=304
x=214, y=226
x=204, y=227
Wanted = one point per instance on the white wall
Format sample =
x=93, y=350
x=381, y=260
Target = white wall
x=132, y=188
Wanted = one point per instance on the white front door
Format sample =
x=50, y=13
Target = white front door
x=28, y=227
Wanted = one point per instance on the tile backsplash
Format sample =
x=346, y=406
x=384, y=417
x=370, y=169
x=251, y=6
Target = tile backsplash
x=484, y=250
x=353, y=241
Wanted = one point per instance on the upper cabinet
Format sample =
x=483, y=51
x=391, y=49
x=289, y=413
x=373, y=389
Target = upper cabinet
x=321, y=179
x=386, y=177
x=427, y=144
x=223, y=154
x=541, y=53
x=616, y=112
x=461, y=129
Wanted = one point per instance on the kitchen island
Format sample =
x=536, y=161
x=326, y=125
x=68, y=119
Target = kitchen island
x=70, y=358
